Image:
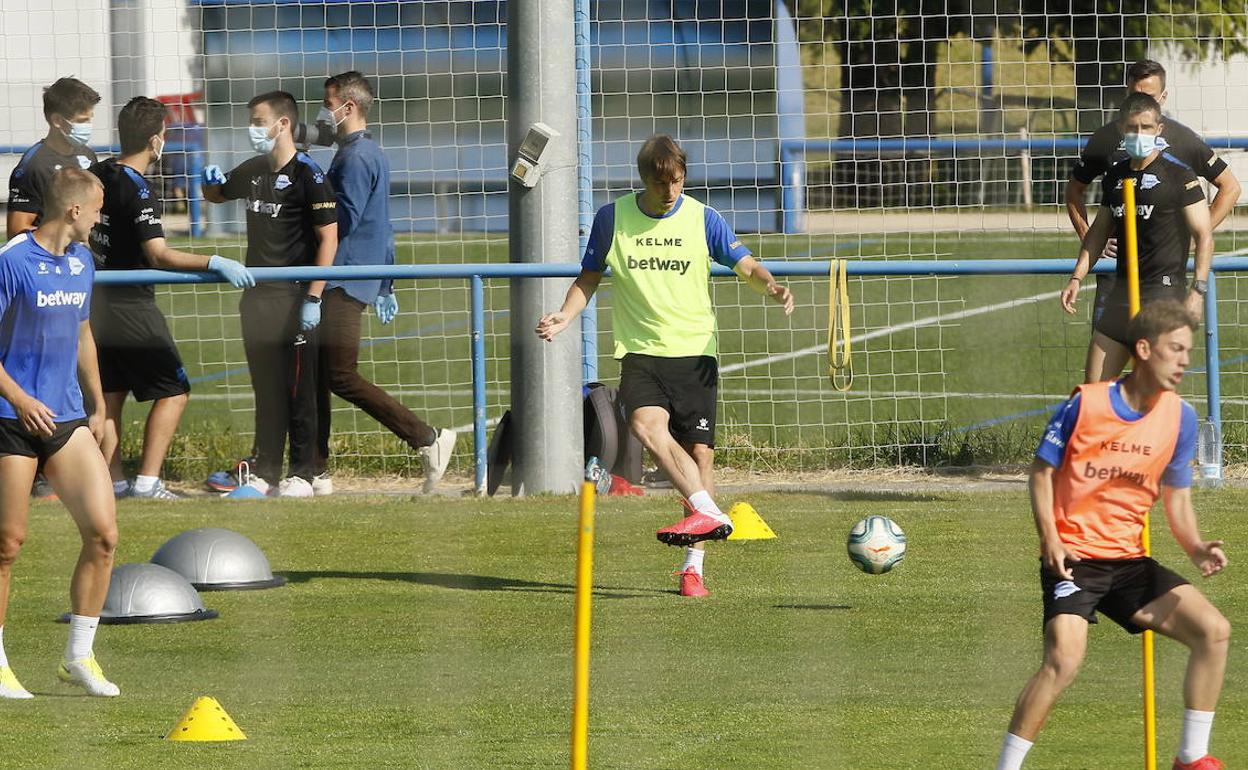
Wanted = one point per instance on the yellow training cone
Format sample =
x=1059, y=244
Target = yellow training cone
x=747, y=524
x=205, y=720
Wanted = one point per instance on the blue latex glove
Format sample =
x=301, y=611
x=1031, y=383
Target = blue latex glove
x=238, y=276
x=213, y=175
x=386, y=306
x=310, y=316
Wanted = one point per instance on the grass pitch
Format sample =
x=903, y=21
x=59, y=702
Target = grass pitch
x=436, y=633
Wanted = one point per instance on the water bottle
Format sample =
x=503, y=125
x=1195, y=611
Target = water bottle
x=1209, y=454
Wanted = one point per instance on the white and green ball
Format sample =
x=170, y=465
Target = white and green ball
x=876, y=544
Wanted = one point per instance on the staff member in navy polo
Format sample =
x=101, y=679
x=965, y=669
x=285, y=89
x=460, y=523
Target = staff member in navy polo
x=291, y=221
x=360, y=175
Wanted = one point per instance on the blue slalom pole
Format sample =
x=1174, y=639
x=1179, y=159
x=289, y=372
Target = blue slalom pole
x=585, y=181
x=1213, y=369
x=478, y=382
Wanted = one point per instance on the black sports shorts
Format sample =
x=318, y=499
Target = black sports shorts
x=687, y=387
x=15, y=440
x=1117, y=588
x=136, y=351
x=1112, y=311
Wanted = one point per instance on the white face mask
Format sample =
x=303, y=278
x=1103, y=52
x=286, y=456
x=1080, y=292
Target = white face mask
x=260, y=140
x=158, y=151
x=79, y=134
x=328, y=116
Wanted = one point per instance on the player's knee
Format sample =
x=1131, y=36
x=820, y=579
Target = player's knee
x=1215, y=628
x=103, y=542
x=1063, y=666
x=343, y=381
x=703, y=455
x=10, y=546
x=645, y=432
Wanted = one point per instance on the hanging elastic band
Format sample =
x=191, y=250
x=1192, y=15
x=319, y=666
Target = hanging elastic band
x=839, y=360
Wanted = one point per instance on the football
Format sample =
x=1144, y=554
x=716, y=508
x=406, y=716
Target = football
x=876, y=544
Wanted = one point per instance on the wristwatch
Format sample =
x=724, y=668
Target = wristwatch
x=315, y=300
x=1200, y=287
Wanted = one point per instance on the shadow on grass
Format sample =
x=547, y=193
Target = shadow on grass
x=875, y=496
x=811, y=607
x=469, y=582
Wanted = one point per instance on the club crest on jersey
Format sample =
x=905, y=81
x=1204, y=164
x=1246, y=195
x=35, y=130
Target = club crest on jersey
x=1149, y=181
x=75, y=266
x=282, y=182
x=83, y=163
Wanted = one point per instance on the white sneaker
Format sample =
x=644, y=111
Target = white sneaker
x=10, y=687
x=157, y=492
x=88, y=675
x=294, y=486
x=437, y=456
x=322, y=484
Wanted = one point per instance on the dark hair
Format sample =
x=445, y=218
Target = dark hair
x=661, y=159
x=1136, y=103
x=1158, y=318
x=282, y=104
x=68, y=97
x=68, y=186
x=353, y=87
x=1146, y=68
x=140, y=120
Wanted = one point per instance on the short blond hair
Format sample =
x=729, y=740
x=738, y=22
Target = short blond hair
x=68, y=186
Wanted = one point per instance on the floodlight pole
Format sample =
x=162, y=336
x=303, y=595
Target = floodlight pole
x=542, y=227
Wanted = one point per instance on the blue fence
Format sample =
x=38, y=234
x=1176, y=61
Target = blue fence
x=477, y=274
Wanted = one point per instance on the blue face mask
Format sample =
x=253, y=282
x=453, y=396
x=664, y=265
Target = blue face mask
x=79, y=134
x=1139, y=146
x=261, y=142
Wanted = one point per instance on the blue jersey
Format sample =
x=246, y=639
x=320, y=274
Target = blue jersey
x=1178, y=473
x=43, y=301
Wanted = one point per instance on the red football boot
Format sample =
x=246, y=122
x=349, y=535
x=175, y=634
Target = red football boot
x=1206, y=762
x=691, y=583
x=694, y=528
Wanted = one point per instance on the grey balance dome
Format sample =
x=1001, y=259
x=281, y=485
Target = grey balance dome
x=150, y=593
x=215, y=559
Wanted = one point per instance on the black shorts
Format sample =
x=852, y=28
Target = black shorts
x=1117, y=588
x=15, y=440
x=136, y=351
x=1112, y=311
x=687, y=387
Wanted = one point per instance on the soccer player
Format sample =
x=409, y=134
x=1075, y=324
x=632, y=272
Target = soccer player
x=659, y=244
x=1170, y=212
x=360, y=175
x=68, y=108
x=136, y=351
x=47, y=361
x=1104, y=149
x=1106, y=456
x=291, y=220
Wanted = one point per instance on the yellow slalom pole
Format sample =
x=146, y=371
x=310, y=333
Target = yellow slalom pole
x=1133, y=299
x=584, y=595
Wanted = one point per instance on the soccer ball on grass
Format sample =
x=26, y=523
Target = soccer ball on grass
x=876, y=544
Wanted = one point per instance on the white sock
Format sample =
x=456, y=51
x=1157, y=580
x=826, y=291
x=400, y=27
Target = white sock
x=693, y=558
x=1013, y=752
x=145, y=483
x=120, y=486
x=1194, y=740
x=4, y=659
x=702, y=503
x=81, y=637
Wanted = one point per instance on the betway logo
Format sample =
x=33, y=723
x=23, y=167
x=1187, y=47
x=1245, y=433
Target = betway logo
x=1090, y=471
x=59, y=297
x=655, y=263
x=263, y=207
x=1144, y=210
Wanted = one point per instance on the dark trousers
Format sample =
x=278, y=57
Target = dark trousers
x=282, y=362
x=339, y=361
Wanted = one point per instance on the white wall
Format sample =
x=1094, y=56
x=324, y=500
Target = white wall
x=1211, y=98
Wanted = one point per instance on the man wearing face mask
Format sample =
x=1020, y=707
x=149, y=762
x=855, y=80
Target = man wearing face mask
x=136, y=351
x=291, y=221
x=360, y=175
x=68, y=107
x=1104, y=149
x=1170, y=211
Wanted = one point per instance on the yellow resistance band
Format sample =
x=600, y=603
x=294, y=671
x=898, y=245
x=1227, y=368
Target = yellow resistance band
x=839, y=360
